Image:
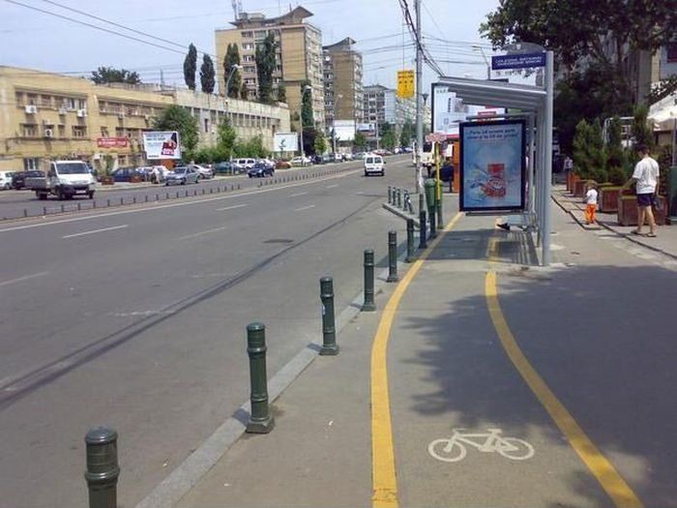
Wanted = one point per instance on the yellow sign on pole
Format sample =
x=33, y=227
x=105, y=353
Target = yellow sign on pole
x=405, y=84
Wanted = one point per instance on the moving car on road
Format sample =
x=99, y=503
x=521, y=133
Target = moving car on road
x=5, y=180
x=182, y=175
x=64, y=180
x=261, y=169
x=373, y=164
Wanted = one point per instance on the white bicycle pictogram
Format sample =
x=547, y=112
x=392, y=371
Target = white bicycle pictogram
x=454, y=449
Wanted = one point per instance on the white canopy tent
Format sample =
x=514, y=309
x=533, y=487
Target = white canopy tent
x=535, y=103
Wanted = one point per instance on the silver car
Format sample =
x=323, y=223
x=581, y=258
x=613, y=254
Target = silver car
x=182, y=175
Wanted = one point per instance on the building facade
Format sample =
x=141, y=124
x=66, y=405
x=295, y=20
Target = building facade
x=343, y=92
x=381, y=105
x=298, y=59
x=47, y=116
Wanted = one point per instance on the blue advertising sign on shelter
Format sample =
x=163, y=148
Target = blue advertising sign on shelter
x=518, y=61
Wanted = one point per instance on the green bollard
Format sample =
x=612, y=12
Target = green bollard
x=260, y=421
x=390, y=197
x=422, y=244
x=421, y=204
x=329, y=347
x=433, y=229
x=392, y=257
x=368, y=305
x=102, y=467
x=399, y=198
x=410, y=241
x=440, y=220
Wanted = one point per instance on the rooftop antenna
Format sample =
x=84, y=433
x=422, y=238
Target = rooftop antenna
x=237, y=8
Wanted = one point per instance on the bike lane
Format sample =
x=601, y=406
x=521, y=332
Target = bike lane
x=449, y=375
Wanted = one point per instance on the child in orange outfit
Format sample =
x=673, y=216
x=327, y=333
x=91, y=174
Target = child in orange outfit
x=591, y=208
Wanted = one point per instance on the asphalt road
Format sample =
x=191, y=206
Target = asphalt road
x=135, y=318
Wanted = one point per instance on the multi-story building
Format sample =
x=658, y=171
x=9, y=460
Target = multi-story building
x=298, y=59
x=343, y=94
x=48, y=116
x=381, y=105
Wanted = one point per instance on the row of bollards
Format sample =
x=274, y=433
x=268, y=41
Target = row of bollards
x=400, y=198
x=102, y=469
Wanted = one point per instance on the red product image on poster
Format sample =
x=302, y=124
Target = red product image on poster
x=495, y=186
x=170, y=146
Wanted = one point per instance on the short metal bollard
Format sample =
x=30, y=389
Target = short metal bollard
x=134, y=201
x=25, y=213
x=260, y=421
x=368, y=305
x=390, y=197
x=433, y=229
x=392, y=257
x=329, y=347
x=79, y=207
x=421, y=203
x=399, y=198
x=63, y=208
x=102, y=467
x=440, y=219
x=422, y=244
x=410, y=241
x=122, y=201
x=44, y=210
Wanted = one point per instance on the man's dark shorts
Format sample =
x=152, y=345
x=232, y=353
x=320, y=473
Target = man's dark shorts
x=644, y=199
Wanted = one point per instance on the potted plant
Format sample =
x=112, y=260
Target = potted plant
x=106, y=178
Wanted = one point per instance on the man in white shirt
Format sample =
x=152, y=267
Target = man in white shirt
x=646, y=178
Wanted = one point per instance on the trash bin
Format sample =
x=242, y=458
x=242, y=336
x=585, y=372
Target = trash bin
x=430, y=194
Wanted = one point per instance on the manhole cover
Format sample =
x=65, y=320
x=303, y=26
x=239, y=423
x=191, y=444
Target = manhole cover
x=279, y=240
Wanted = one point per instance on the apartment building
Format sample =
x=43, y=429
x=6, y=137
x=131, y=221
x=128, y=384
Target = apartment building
x=343, y=93
x=299, y=56
x=49, y=116
x=382, y=105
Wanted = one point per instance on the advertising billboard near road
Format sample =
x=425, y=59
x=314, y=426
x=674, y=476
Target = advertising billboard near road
x=344, y=129
x=285, y=142
x=162, y=145
x=492, y=166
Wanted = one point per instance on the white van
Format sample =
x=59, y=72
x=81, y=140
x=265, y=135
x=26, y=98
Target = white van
x=373, y=164
x=5, y=180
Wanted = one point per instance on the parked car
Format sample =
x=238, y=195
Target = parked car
x=318, y=159
x=5, y=180
x=245, y=163
x=337, y=157
x=127, y=173
x=19, y=178
x=301, y=161
x=182, y=175
x=326, y=158
x=282, y=164
x=347, y=156
x=225, y=168
x=203, y=171
x=260, y=170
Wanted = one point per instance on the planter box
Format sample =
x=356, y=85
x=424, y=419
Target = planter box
x=627, y=210
x=107, y=180
x=608, y=198
x=572, y=178
x=580, y=188
x=135, y=179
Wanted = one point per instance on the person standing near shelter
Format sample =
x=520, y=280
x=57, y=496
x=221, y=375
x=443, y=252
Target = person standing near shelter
x=646, y=178
x=591, y=205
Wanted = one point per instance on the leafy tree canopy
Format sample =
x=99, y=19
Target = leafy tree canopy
x=360, y=141
x=105, y=75
x=176, y=118
x=207, y=75
x=231, y=59
x=190, y=67
x=265, y=66
x=307, y=117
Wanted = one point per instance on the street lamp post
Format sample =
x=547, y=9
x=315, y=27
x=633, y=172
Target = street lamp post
x=306, y=88
x=233, y=69
x=486, y=60
x=333, y=122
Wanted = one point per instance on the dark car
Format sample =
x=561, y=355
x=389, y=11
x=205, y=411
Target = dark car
x=225, y=168
x=260, y=170
x=318, y=159
x=125, y=174
x=19, y=178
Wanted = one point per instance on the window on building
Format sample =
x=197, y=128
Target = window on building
x=119, y=132
x=247, y=35
x=79, y=131
x=20, y=99
x=46, y=101
x=104, y=132
x=206, y=122
x=62, y=131
x=29, y=130
x=250, y=69
x=32, y=99
x=247, y=46
x=31, y=164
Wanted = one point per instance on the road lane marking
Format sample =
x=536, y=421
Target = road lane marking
x=384, y=477
x=304, y=208
x=195, y=235
x=94, y=231
x=21, y=279
x=229, y=208
x=332, y=186
x=605, y=473
x=298, y=194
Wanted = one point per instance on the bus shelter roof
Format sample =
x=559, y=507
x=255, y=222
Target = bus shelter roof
x=496, y=93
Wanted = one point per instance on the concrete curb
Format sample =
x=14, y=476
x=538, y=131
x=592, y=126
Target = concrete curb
x=187, y=474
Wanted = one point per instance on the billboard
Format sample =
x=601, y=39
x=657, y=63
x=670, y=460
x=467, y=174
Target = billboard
x=492, y=166
x=162, y=145
x=448, y=111
x=344, y=130
x=285, y=142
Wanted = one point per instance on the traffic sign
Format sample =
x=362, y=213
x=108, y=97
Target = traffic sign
x=405, y=84
x=518, y=61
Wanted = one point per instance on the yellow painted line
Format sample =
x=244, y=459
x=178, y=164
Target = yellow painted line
x=384, y=477
x=610, y=480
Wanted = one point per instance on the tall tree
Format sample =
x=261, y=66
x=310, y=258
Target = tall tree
x=231, y=59
x=320, y=144
x=226, y=139
x=360, y=141
x=105, y=75
x=207, y=74
x=407, y=133
x=265, y=66
x=281, y=92
x=307, y=117
x=176, y=118
x=190, y=67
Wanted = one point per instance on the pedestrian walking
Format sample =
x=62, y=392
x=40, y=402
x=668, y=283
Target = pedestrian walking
x=591, y=205
x=645, y=177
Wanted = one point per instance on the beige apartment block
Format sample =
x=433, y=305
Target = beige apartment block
x=299, y=56
x=343, y=93
x=46, y=116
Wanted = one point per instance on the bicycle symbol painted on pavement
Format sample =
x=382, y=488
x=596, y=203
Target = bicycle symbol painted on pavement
x=454, y=449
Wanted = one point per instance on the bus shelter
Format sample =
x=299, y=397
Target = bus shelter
x=535, y=105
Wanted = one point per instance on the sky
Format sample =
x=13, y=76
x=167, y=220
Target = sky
x=37, y=40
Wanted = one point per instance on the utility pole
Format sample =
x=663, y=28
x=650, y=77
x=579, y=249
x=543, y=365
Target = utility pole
x=419, y=106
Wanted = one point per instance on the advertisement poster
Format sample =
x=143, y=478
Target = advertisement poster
x=492, y=166
x=162, y=145
x=286, y=142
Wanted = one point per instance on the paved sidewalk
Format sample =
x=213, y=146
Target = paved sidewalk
x=665, y=241
x=446, y=370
